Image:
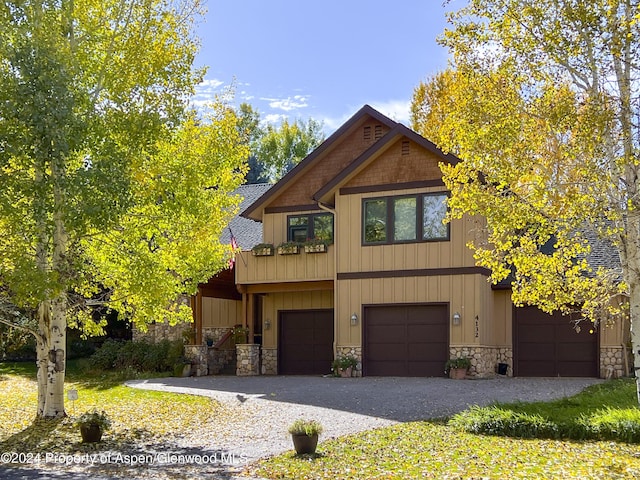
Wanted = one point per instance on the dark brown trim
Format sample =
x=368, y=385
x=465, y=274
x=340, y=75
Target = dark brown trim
x=391, y=186
x=365, y=111
x=287, y=286
x=293, y=208
x=421, y=272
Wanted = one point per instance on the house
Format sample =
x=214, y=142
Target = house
x=395, y=287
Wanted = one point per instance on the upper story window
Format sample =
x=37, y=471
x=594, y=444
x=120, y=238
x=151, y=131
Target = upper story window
x=414, y=218
x=313, y=225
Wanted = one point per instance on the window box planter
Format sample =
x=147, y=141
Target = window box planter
x=262, y=250
x=289, y=248
x=315, y=248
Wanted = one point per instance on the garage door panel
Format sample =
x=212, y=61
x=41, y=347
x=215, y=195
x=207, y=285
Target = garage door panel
x=305, y=342
x=405, y=340
x=548, y=345
x=388, y=333
x=435, y=332
x=388, y=352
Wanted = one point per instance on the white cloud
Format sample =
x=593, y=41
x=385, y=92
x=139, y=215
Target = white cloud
x=397, y=110
x=289, y=103
x=210, y=84
x=274, y=118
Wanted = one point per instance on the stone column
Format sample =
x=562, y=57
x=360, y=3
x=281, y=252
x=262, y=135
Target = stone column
x=248, y=359
x=197, y=355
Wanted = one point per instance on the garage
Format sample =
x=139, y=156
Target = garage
x=406, y=340
x=549, y=346
x=306, y=342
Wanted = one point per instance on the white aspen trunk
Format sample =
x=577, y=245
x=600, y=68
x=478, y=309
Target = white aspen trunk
x=634, y=314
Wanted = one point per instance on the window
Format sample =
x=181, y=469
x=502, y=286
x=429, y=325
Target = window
x=415, y=218
x=316, y=225
x=434, y=209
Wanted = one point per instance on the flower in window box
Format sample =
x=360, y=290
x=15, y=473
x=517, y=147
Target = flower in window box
x=315, y=245
x=262, y=250
x=288, y=248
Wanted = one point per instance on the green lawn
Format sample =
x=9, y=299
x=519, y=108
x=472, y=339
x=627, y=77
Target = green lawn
x=137, y=415
x=404, y=451
x=440, y=450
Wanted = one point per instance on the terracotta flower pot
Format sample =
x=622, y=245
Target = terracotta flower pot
x=90, y=433
x=457, y=373
x=346, y=372
x=304, y=443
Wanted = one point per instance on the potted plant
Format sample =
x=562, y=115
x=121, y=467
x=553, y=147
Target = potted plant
x=457, y=367
x=240, y=334
x=304, y=434
x=288, y=248
x=93, y=425
x=209, y=341
x=262, y=250
x=315, y=245
x=344, y=365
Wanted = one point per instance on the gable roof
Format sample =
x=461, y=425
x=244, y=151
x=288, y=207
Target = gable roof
x=253, y=210
x=361, y=161
x=247, y=232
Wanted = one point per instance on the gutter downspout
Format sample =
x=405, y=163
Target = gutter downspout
x=332, y=210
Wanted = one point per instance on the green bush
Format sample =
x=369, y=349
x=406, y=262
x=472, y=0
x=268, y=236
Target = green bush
x=105, y=357
x=137, y=356
x=498, y=421
x=613, y=424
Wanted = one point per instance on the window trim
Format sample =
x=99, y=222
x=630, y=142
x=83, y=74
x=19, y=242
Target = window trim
x=390, y=220
x=311, y=224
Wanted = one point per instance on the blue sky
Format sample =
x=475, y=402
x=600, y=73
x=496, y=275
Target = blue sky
x=322, y=60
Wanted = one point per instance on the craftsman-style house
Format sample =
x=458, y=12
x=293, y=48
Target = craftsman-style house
x=394, y=287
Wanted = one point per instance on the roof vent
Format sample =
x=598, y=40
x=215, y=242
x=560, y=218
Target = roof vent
x=367, y=133
x=405, y=147
x=378, y=132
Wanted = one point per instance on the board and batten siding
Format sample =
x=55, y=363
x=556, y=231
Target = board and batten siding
x=276, y=302
x=219, y=312
x=464, y=294
x=355, y=257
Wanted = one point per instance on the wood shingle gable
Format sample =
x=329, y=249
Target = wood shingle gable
x=296, y=188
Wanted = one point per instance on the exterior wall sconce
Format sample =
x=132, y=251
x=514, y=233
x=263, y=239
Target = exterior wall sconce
x=354, y=319
x=456, y=318
x=267, y=324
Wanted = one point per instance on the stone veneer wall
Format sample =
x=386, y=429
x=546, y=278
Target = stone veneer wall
x=215, y=333
x=353, y=352
x=612, y=363
x=484, y=360
x=197, y=354
x=269, y=361
x=248, y=355
x=156, y=332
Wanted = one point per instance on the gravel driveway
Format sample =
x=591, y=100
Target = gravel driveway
x=261, y=409
x=345, y=406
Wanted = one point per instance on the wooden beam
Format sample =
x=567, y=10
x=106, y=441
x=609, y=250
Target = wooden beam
x=250, y=315
x=198, y=322
x=287, y=287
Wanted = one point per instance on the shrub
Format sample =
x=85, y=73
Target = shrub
x=105, y=357
x=499, y=421
x=613, y=424
x=137, y=356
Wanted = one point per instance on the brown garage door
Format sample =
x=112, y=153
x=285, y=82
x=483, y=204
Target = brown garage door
x=549, y=346
x=405, y=340
x=306, y=342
